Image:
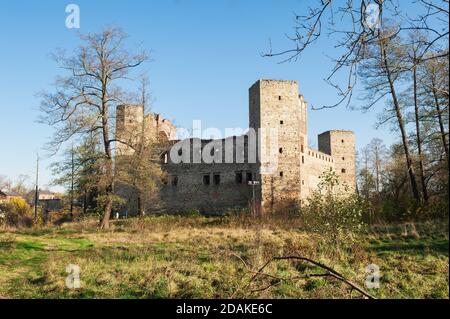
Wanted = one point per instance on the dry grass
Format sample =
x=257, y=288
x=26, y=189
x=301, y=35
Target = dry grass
x=197, y=257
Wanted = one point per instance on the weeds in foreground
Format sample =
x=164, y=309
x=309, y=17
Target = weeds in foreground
x=194, y=257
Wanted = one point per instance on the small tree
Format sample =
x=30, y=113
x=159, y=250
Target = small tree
x=79, y=172
x=332, y=213
x=141, y=174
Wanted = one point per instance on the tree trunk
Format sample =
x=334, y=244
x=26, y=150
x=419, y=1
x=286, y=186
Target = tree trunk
x=401, y=125
x=84, y=202
x=441, y=123
x=419, y=140
x=377, y=169
x=141, y=152
x=108, y=195
x=109, y=189
x=366, y=175
x=139, y=205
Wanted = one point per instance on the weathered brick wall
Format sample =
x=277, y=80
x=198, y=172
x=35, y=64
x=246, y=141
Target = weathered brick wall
x=158, y=127
x=128, y=127
x=288, y=169
x=279, y=109
x=340, y=144
x=190, y=191
x=130, y=121
x=315, y=164
x=185, y=187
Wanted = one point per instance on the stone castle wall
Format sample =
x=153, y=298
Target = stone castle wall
x=314, y=165
x=340, y=145
x=281, y=112
x=132, y=124
x=201, y=185
x=287, y=171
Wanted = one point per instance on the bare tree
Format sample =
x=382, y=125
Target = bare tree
x=356, y=25
x=416, y=44
x=20, y=185
x=86, y=95
x=433, y=88
x=383, y=67
x=436, y=93
x=377, y=151
x=5, y=183
x=140, y=172
x=395, y=177
x=359, y=27
x=366, y=180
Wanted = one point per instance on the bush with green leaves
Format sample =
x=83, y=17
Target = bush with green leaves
x=333, y=212
x=193, y=212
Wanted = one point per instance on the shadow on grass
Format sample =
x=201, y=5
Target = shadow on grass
x=30, y=246
x=420, y=246
x=6, y=245
x=46, y=231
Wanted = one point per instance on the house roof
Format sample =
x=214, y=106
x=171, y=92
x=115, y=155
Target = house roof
x=9, y=193
x=46, y=192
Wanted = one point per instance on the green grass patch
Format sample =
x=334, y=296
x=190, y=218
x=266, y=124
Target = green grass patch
x=196, y=257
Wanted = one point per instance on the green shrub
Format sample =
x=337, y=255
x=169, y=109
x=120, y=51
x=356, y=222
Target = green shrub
x=193, y=212
x=17, y=213
x=333, y=213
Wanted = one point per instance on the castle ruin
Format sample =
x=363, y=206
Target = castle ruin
x=284, y=167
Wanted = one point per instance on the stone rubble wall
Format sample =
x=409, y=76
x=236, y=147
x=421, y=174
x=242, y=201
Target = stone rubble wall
x=288, y=170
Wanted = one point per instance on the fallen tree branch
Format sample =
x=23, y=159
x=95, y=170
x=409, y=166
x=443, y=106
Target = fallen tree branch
x=330, y=272
x=280, y=279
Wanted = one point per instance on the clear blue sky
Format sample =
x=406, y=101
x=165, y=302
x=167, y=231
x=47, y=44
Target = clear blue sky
x=206, y=54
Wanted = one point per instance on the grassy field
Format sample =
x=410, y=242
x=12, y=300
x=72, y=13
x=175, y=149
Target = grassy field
x=197, y=257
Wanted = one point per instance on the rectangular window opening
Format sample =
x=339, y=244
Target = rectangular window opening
x=206, y=179
x=238, y=178
x=216, y=179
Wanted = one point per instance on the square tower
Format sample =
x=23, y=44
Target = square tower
x=129, y=121
x=340, y=145
x=278, y=115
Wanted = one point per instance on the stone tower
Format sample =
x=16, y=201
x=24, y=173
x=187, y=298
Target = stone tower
x=129, y=120
x=132, y=123
x=278, y=115
x=341, y=146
